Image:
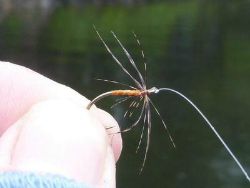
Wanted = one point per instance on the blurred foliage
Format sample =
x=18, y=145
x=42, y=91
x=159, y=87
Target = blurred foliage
x=11, y=33
x=69, y=28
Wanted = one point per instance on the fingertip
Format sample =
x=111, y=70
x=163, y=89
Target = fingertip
x=108, y=179
x=112, y=129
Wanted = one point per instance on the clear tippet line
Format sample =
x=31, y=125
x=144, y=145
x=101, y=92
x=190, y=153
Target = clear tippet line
x=210, y=125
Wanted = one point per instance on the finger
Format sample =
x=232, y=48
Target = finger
x=59, y=137
x=22, y=87
x=108, y=179
x=112, y=129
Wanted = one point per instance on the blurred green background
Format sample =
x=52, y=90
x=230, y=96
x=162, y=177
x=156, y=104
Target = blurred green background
x=199, y=47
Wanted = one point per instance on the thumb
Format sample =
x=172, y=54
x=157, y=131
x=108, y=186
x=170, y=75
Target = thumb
x=60, y=137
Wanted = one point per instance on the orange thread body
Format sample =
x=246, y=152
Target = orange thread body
x=128, y=92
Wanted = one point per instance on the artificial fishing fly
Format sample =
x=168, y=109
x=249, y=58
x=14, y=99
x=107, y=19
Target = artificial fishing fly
x=142, y=92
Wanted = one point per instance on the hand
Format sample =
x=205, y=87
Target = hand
x=46, y=128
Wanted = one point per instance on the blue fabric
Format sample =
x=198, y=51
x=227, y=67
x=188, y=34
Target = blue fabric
x=33, y=180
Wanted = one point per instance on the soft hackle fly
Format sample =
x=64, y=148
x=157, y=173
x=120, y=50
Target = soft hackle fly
x=143, y=93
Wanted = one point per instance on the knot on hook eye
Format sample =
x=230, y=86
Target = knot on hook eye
x=153, y=90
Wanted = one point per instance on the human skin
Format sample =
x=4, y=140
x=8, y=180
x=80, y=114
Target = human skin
x=46, y=128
